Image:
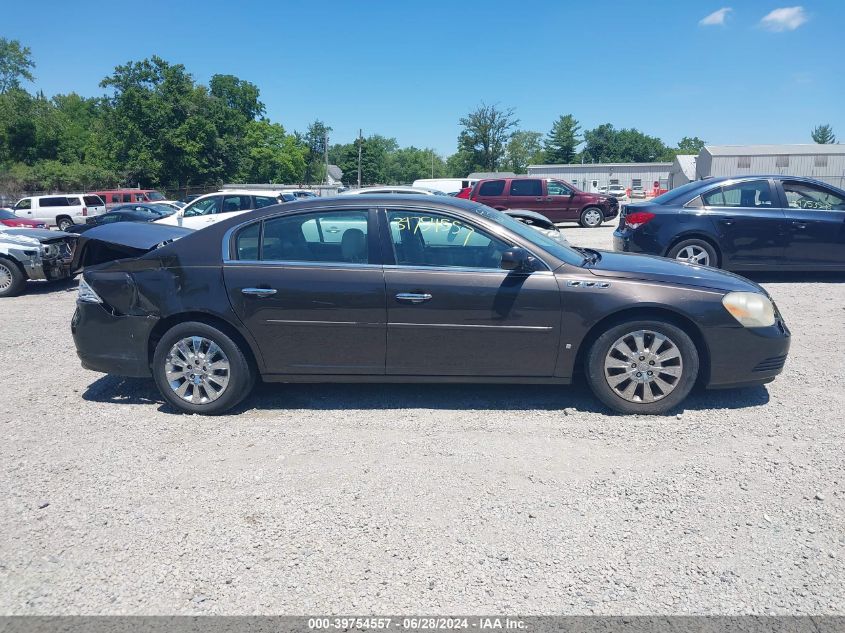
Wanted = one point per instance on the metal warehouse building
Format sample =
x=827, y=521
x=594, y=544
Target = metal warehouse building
x=591, y=176
x=823, y=162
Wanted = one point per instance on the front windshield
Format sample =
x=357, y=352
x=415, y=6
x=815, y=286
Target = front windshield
x=561, y=251
x=155, y=195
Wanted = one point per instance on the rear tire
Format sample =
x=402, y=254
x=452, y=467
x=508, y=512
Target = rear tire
x=64, y=223
x=12, y=278
x=591, y=217
x=199, y=369
x=642, y=367
x=695, y=251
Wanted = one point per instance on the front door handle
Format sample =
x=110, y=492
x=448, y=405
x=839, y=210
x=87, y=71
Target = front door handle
x=799, y=225
x=258, y=292
x=413, y=297
x=727, y=221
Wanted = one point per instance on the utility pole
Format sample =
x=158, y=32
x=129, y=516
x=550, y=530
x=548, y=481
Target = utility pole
x=326, y=154
x=360, y=143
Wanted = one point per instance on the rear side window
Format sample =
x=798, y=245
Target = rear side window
x=491, y=188
x=235, y=203
x=55, y=202
x=744, y=194
x=127, y=197
x=264, y=201
x=526, y=188
x=93, y=201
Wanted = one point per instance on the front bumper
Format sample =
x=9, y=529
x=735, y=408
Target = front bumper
x=111, y=343
x=743, y=357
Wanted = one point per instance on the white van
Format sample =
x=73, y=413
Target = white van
x=62, y=211
x=446, y=185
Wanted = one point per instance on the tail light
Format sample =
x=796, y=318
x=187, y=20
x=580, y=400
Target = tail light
x=637, y=219
x=84, y=210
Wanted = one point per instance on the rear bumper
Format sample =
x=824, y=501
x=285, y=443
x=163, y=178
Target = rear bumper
x=743, y=357
x=112, y=344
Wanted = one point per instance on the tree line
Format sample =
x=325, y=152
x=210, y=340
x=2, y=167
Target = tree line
x=156, y=126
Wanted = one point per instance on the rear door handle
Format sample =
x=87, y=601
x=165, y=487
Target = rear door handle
x=258, y=292
x=413, y=297
x=727, y=221
x=799, y=225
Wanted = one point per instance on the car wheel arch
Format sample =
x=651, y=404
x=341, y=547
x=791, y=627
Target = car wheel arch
x=644, y=313
x=720, y=258
x=252, y=355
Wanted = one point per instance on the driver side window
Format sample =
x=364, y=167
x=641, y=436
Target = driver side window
x=207, y=206
x=433, y=239
x=556, y=188
x=803, y=195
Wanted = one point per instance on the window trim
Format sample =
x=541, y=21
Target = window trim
x=391, y=247
x=229, y=248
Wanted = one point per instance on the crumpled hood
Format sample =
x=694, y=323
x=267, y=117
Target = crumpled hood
x=31, y=237
x=660, y=269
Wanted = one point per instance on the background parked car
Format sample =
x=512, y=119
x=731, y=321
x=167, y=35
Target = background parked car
x=214, y=207
x=423, y=191
x=744, y=223
x=538, y=222
x=556, y=199
x=37, y=254
x=8, y=218
x=125, y=213
x=617, y=191
x=637, y=191
x=113, y=197
x=62, y=211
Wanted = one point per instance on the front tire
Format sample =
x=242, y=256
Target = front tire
x=695, y=251
x=591, y=217
x=64, y=224
x=12, y=279
x=642, y=367
x=199, y=369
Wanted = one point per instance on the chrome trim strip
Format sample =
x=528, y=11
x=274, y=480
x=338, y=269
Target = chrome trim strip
x=294, y=264
x=460, y=269
x=462, y=326
x=324, y=323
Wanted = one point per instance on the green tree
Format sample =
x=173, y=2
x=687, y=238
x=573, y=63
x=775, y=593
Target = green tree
x=239, y=96
x=15, y=64
x=524, y=148
x=486, y=131
x=461, y=164
x=315, y=142
x=606, y=144
x=823, y=134
x=690, y=145
x=562, y=141
x=271, y=155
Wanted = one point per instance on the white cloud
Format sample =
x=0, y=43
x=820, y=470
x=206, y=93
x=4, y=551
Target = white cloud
x=784, y=19
x=717, y=18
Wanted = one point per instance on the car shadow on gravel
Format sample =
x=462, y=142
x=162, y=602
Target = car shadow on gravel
x=330, y=397
x=48, y=287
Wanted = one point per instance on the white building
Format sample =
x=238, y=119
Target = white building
x=682, y=170
x=591, y=176
x=822, y=162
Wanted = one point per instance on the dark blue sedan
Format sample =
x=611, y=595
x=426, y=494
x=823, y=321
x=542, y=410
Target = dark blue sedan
x=744, y=224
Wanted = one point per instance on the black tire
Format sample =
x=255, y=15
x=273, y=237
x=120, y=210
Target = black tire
x=64, y=223
x=240, y=373
x=12, y=278
x=693, y=245
x=589, y=219
x=688, y=367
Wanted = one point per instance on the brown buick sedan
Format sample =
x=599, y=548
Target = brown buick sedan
x=399, y=289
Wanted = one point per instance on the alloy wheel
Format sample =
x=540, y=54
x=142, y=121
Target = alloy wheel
x=6, y=279
x=694, y=254
x=643, y=366
x=197, y=370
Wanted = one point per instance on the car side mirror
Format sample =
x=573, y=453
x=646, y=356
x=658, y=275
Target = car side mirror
x=517, y=259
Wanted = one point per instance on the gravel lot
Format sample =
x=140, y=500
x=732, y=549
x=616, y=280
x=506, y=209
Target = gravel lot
x=421, y=499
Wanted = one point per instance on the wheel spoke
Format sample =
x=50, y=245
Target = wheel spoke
x=615, y=381
x=644, y=378
x=207, y=364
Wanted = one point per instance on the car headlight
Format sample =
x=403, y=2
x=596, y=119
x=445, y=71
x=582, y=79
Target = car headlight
x=751, y=309
x=87, y=294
